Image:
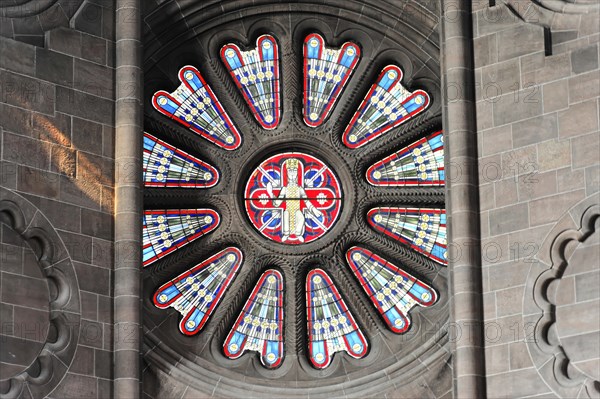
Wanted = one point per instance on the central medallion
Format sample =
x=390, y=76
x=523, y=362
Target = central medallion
x=293, y=198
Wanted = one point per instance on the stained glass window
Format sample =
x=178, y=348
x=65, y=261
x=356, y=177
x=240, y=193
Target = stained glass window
x=393, y=291
x=196, y=293
x=256, y=74
x=194, y=105
x=259, y=327
x=294, y=201
x=331, y=326
x=170, y=229
x=387, y=105
x=167, y=166
x=326, y=72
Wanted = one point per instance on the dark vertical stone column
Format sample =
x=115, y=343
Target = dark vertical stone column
x=128, y=200
x=462, y=200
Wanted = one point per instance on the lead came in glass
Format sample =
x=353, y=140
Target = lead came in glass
x=256, y=74
x=331, y=326
x=393, y=291
x=419, y=164
x=167, y=166
x=194, y=105
x=326, y=72
x=423, y=229
x=387, y=105
x=196, y=293
x=165, y=231
x=259, y=327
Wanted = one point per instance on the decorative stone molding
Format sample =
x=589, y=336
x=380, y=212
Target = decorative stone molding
x=550, y=353
x=28, y=20
x=57, y=352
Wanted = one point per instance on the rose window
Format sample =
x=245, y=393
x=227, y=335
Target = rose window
x=294, y=213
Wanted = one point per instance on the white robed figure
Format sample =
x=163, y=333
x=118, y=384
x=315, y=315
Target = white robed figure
x=293, y=194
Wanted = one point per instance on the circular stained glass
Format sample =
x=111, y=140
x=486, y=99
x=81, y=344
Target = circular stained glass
x=293, y=198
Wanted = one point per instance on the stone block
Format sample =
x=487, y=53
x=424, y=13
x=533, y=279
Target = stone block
x=80, y=192
x=65, y=40
x=26, y=151
x=96, y=224
x=15, y=120
x=585, y=59
x=55, y=129
x=489, y=306
x=98, y=169
x=524, y=39
x=506, y=192
x=554, y=67
x=568, y=179
x=578, y=119
x=79, y=248
x=577, y=319
x=496, y=140
x=585, y=150
x=554, y=154
x=12, y=258
x=586, y=286
x=94, y=79
x=89, y=19
x=495, y=19
x=537, y=185
x=507, y=219
x=509, y=301
x=108, y=141
x=63, y=161
x=25, y=291
x=516, y=106
x=592, y=180
x=486, y=196
x=519, y=356
x=108, y=23
x=89, y=305
x=105, y=310
x=93, y=49
x=485, y=49
x=500, y=78
x=519, y=163
x=103, y=364
x=87, y=136
x=507, y=275
x=55, y=211
x=75, y=386
x=485, y=115
x=17, y=56
x=584, y=87
x=8, y=175
x=83, y=363
x=25, y=92
x=93, y=279
x=550, y=209
x=555, y=95
x=54, y=67
x=84, y=105
x=37, y=182
x=32, y=324
x=534, y=130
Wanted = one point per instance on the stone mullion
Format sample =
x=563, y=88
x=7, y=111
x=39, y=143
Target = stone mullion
x=462, y=200
x=128, y=201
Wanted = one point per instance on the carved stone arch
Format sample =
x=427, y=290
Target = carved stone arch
x=549, y=304
x=58, y=350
